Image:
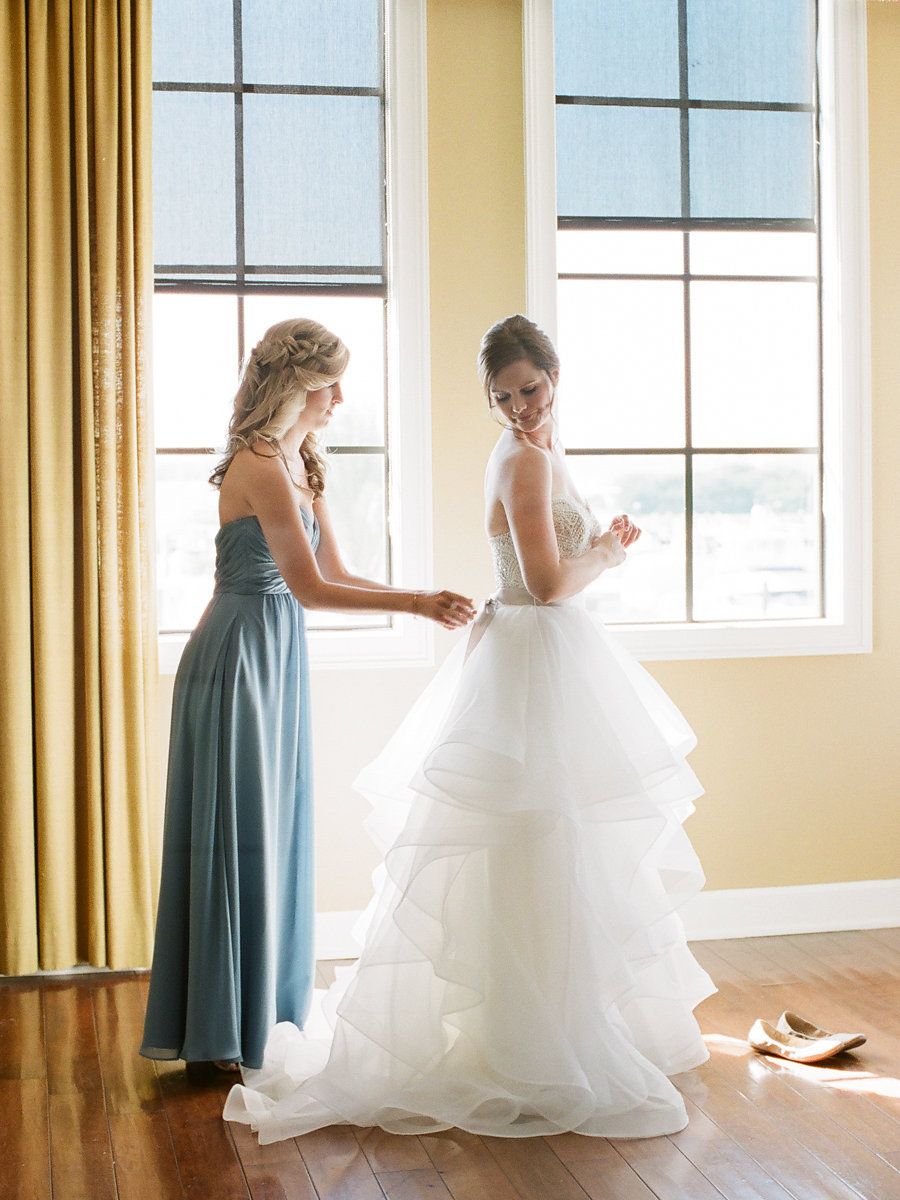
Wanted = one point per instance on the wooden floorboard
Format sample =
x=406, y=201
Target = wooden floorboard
x=84, y=1116
x=598, y=1167
x=467, y=1167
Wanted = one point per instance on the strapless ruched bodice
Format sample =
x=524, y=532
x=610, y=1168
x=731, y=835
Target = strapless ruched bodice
x=575, y=527
x=244, y=563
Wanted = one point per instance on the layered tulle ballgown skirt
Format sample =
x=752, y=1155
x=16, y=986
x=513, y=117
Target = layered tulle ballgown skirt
x=524, y=970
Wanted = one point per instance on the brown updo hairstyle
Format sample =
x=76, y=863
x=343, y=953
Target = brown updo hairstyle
x=509, y=341
x=293, y=358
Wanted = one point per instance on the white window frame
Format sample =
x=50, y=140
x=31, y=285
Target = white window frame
x=847, y=626
x=407, y=642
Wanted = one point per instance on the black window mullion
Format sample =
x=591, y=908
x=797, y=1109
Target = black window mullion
x=241, y=332
x=751, y=224
x=685, y=147
x=672, y=451
x=267, y=89
x=239, y=242
x=688, y=442
x=266, y=269
x=684, y=275
x=684, y=103
x=240, y=248
x=823, y=580
x=388, y=442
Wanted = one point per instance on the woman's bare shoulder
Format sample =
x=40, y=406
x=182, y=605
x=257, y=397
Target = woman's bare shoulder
x=255, y=477
x=516, y=453
x=522, y=464
x=251, y=459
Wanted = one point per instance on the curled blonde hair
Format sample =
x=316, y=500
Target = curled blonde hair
x=293, y=358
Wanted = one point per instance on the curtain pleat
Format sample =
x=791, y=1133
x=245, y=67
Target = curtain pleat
x=78, y=803
x=18, y=883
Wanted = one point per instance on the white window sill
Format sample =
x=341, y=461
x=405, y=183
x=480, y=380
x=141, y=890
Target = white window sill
x=750, y=639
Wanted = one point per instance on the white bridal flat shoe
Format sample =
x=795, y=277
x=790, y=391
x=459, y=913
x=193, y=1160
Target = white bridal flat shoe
x=767, y=1039
x=790, y=1022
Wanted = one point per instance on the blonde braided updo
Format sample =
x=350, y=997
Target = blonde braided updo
x=293, y=358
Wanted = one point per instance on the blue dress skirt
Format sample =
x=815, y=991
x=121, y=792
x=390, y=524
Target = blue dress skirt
x=234, y=935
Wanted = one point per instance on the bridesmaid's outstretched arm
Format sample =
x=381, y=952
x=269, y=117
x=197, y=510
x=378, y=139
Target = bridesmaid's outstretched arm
x=272, y=498
x=333, y=569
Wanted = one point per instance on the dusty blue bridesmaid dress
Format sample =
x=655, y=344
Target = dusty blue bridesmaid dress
x=234, y=933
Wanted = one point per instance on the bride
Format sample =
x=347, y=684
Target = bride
x=523, y=970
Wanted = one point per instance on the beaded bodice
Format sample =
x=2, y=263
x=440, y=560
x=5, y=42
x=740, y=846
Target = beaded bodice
x=575, y=526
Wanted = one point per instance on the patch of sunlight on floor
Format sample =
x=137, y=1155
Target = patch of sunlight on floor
x=721, y=1044
x=844, y=1078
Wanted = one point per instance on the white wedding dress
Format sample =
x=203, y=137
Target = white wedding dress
x=524, y=970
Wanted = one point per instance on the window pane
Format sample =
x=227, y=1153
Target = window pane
x=322, y=42
x=356, y=490
x=621, y=343
x=753, y=252
x=187, y=521
x=649, y=586
x=186, y=524
x=617, y=162
x=755, y=364
x=751, y=164
x=193, y=43
x=193, y=178
x=359, y=322
x=756, y=536
x=193, y=392
x=301, y=207
x=616, y=47
x=752, y=50
x=620, y=251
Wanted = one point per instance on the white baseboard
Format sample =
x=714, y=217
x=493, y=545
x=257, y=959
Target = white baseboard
x=809, y=908
x=732, y=913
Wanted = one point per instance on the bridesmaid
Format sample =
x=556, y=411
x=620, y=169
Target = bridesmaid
x=234, y=935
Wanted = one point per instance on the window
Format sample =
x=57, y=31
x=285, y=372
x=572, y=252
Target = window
x=701, y=276
x=277, y=160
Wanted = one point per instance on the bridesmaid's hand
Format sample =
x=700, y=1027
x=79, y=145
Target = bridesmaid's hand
x=448, y=609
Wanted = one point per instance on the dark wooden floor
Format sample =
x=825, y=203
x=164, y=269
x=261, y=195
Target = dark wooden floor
x=83, y=1117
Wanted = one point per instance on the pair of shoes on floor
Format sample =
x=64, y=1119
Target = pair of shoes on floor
x=800, y=1040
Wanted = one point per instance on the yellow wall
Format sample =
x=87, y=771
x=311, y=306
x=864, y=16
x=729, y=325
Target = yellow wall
x=800, y=757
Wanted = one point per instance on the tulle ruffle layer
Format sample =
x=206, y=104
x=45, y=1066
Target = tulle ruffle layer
x=524, y=970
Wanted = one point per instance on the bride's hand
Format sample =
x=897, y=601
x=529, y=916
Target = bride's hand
x=612, y=547
x=625, y=530
x=448, y=609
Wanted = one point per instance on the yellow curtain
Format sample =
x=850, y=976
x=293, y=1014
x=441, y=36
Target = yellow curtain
x=77, y=649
